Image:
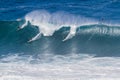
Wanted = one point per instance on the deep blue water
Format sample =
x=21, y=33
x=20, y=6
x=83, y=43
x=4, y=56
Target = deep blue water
x=97, y=33
x=107, y=9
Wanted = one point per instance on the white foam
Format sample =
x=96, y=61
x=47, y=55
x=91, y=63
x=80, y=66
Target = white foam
x=58, y=67
x=48, y=23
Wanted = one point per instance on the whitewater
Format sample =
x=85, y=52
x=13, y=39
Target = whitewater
x=51, y=67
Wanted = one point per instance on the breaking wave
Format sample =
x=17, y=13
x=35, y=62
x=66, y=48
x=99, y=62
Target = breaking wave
x=48, y=23
x=59, y=33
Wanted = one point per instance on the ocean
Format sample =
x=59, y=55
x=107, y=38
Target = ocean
x=60, y=40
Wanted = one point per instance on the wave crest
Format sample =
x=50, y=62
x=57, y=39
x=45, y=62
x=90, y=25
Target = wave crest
x=48, y=23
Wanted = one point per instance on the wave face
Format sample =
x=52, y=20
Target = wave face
x=91, y=39
x=59, y=40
